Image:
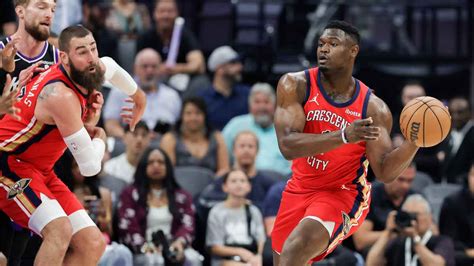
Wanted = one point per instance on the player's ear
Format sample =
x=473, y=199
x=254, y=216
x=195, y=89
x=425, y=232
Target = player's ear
x=64, y=57
x=20, y=11
x=354, y=50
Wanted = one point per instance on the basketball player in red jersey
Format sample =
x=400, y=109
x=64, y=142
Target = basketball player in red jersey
x=55, y=110
x=331, y=126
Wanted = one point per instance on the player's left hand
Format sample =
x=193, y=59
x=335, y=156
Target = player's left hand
x=8, y=55
x=9, y=99
x=132, y=115
x=26, y=74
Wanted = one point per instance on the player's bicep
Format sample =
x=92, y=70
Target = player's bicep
x=377, y=149
x=59, y=105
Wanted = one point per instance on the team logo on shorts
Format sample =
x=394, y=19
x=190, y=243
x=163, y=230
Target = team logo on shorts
x=18, y=187
x=346, y=223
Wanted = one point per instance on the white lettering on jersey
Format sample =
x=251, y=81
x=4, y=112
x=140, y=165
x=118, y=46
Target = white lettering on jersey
x=328, y=117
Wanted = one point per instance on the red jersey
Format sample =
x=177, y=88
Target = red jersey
x=30, y=140
x=344, y=165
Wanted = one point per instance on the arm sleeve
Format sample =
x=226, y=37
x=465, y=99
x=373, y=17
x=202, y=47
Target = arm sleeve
x=87, y=153
x=118, y=77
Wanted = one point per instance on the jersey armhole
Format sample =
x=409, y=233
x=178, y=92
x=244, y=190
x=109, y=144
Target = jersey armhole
x=366, y=103
x=308, y=86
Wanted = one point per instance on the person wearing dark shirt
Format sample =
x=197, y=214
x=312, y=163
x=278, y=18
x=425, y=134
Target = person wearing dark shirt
x=7, y=18
x=457, y=220
x=413, y=242
x=227, y=97
x=190, y=59
x=245, y=151
x=457, y=150
x=385, y=198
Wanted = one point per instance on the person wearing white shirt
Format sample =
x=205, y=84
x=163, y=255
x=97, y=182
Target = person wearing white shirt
x=164, y=103
x=124, y=165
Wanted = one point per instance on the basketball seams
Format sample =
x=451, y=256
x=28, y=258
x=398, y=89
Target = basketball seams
x=439, y=122
x=413, y=114
x=424, y=125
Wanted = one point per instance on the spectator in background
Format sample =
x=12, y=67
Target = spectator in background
x=128, y=18
x=415, y=244
x=411, y=90
x=155, y=202
x=95, y=13
x=124, y=166
x=457, y=220
x=7, y=19
x=226, y=98
x=235, y=233
x=163, y=103
x=386, y=197
x=190, y=59
x=193, y=142
x=245, y=149
x=67, y=13
x=260, y=121
x=457, y=150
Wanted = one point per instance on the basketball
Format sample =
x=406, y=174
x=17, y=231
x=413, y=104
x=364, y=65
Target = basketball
x=425, y=121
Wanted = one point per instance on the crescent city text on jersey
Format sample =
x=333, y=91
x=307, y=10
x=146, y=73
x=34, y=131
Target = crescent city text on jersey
x=328, y=117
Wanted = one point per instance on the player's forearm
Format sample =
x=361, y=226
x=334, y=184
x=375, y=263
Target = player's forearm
x=427, y=257
x=395, y=162
x=114, y=129
x=297, y=145
x=376, y=253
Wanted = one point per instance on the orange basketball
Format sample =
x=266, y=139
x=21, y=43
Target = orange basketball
x=425, y=121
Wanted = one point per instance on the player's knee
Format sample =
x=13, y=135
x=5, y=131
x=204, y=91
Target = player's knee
x=58, y=232
x=93, y=244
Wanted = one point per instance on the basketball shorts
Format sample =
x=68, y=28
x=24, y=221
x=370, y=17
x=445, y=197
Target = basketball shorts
x=32, y=198
x=340, y=211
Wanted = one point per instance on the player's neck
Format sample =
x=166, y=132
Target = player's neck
x=337, y=81
x=28, y=45
x=235, y=202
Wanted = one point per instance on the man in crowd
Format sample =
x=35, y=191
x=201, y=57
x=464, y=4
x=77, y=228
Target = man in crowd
x=411, y=241
x=260, y=121
x=227, y=97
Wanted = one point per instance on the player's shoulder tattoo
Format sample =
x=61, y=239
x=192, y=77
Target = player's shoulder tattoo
x=47, y=91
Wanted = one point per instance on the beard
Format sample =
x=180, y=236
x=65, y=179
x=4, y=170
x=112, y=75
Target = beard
x=90, y=81
x=263, y=120
x=35, y=31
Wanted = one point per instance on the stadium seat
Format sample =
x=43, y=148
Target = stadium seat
x=193, y=179
x=435, y=195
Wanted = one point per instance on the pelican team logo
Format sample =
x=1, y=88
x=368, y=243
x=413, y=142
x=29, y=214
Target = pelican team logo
x=18, y=188
x=346, y=223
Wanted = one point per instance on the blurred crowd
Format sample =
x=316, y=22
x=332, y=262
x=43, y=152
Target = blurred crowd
x=203, y=167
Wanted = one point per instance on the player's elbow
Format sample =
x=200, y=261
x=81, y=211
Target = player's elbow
x=90, y=168
x=385, y=178
x=287, y=152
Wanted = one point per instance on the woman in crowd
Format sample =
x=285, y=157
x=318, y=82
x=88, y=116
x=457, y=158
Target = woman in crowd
x=194, y=143
x=235, y=232
x=153, y=203
x=128, y=18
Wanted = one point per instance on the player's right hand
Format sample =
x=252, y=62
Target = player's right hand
x=96, y=132
x=362, y=130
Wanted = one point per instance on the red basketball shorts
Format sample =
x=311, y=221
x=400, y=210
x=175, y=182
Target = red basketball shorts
x=341, y=211
x=32, y=199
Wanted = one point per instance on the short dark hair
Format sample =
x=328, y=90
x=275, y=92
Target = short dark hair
x=350, y=30
x=75, y=31
x=140, y=124
x=225, y=177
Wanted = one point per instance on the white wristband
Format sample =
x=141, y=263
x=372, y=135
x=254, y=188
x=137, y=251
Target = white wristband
x=343, y=137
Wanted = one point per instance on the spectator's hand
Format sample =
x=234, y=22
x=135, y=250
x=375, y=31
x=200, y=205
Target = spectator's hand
x=390, y=224
x=411, y=231
x=9, y=99
x=245, y=255
x=470, y=252
x=164, y=70
x=178, y=247
x=8, y=55
x=256, y=260
x=133, y=115
x=362, y=130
